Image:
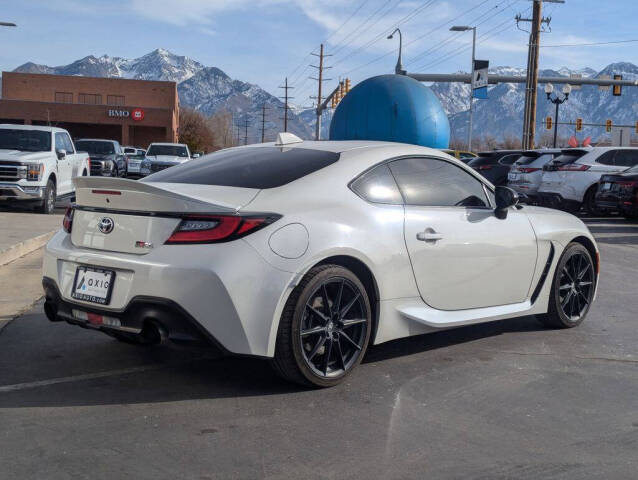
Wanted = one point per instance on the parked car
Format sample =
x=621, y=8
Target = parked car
x=37, y=165
x=164, y=155
x=129, y=150
x=460, y=154
x=526, y=173
x=619, y=192
x=107, y=159
x=495, y=165
x=134, y=165
x=571, y=180
x=308, y=254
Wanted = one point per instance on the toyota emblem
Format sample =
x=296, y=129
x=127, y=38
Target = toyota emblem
x=106, y=225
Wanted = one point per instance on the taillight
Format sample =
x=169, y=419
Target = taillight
x=528, y=169
x=574, y=167
x=628, y=184
x=484, y=167
x=88, y=162
x=218, y=228
x=67, y=221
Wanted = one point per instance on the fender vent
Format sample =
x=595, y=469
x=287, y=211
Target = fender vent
x=541, y=281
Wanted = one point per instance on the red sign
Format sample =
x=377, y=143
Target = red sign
x=137, y=114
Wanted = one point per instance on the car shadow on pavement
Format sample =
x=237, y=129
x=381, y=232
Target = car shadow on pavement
x=56, y=365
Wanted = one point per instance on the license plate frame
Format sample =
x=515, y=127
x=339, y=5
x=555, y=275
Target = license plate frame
x=85, y=297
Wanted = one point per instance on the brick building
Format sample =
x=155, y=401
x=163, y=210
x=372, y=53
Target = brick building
x=133, y=112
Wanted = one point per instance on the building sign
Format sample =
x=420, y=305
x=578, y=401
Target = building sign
x=137, y=114
x=119, y=113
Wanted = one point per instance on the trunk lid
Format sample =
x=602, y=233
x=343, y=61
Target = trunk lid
x=128, y=216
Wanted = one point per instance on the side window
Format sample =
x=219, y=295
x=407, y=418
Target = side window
x=59, y=141
x=437, y=183
x=68, y=143
x=626, y=158
x=378, y=186
x=509, y=159
x=607, y=158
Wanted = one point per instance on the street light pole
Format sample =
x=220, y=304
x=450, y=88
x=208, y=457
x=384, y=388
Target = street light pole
x=458, y=28
x=549, y=88
x=399, y=67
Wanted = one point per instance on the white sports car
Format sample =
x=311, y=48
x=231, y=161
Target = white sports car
x=306, y=252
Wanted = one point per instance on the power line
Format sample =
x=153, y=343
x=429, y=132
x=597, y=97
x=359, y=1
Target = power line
x=593, y=44
x=361, y=25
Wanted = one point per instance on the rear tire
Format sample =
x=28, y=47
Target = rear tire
x=324, y=329
x=48, y=202
x=572, y=290
x=589, y=202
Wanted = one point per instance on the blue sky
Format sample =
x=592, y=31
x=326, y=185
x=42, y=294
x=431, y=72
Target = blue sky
x=262, y=41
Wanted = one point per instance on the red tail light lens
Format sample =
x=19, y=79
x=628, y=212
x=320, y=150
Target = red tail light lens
x=218, y=228
x=528, y=169
x=484, y=167
x=574, y=167
x=628, y=184
x=67, y=221
x=88, y=163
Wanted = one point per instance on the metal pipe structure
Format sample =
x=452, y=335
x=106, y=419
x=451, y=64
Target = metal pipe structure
x=463, y=28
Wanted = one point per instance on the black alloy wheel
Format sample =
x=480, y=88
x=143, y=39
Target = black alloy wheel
x=573, y=288
x=325, y=328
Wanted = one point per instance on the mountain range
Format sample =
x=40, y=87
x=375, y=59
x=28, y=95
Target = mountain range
x=210, y=90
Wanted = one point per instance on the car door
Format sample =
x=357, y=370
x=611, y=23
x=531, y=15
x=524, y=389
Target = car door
x=64, y=164
x=462, y=255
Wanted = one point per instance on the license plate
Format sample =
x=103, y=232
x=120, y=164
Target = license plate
x=605, y=186
x=512, y=177
x=93, y=285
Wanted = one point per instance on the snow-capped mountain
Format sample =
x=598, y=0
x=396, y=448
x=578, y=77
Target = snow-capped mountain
x=501, y=116
x=207, y=89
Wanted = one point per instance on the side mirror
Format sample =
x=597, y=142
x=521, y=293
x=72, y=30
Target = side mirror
x=61, y=153
x=505, y=198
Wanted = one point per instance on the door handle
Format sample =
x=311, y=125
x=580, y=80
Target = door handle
x=429, y=235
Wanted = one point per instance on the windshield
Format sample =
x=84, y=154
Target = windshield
x=25, y=140
x=173, y=150
x=94, y=147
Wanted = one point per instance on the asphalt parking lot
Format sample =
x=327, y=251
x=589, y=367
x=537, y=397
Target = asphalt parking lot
x=504, y=400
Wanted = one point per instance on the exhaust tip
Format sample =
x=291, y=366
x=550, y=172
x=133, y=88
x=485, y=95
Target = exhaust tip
x=154, y=333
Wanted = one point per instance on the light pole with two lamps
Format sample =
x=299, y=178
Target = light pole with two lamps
x=465, y=28
x=549, y=89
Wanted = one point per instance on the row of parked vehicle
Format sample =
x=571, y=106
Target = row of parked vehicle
x=599, y=180
x=38, y=163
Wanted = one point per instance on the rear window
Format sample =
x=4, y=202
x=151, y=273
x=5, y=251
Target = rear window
x=477, y=162
x=537, y=160
x=567, y=158
x=252, y=167
x=93, y=147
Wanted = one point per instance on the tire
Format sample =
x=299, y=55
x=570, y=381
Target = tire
x=318, y=346
x=573, y=289
x=589, y=202
x=48, y=202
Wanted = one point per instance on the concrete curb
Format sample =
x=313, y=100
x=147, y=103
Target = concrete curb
x=6, y=320
x=23, y=248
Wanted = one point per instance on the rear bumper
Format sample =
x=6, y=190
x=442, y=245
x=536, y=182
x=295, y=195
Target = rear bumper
x=13, y=191
x=227, y=289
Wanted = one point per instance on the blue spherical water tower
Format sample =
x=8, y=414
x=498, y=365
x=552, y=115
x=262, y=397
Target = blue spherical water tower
x=393, y=108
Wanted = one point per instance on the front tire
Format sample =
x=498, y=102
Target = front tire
x=572, y=289
x=48, y=202
x=324, y=329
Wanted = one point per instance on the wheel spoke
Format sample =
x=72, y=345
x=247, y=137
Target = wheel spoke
x=326, y=302
x=586, y=284
x=337, y=304
x=347, y=337
x=565, y=301
x=327, y=361
x=577, y=304
x=341, y=359
x=584, y=298
x=566, y=272
x=565, y=287
x=347, y=308
x=318, y=313
x=353, y=321
x=312, y=331
x=318, y=345
x=583, y=271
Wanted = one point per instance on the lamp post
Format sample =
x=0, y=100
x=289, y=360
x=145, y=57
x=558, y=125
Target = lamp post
x=465, y=28
x=399, y=67
x=549, y=89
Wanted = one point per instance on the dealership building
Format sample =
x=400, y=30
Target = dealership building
x=133, y=112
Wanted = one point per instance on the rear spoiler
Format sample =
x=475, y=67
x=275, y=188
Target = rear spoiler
x=132, y=195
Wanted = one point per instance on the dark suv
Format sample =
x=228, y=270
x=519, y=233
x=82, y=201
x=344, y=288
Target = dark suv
x=495, y=165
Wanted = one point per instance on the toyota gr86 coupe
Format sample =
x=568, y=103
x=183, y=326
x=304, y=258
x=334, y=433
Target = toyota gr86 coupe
x=305, y=253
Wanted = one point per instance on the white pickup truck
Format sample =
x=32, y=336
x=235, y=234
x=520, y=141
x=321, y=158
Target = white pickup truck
x=38, y=164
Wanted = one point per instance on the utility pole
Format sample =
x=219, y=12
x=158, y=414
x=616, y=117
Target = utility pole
x=531, y=89
x=286, y=98
x=263, y=123
x=320, y=80
x=244, y=124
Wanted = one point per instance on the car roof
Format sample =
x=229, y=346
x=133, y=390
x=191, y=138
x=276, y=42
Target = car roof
x=169, y=143
x=15, y=126
x=96, y=140
x=341, y=146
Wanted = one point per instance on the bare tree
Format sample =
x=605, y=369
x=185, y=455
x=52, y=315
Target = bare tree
x=195, y=131
x=221, y=124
